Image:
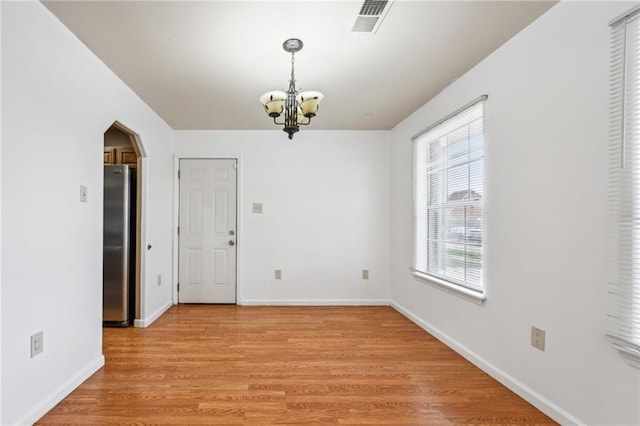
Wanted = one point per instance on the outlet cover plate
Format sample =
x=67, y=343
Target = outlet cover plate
x=538, y=338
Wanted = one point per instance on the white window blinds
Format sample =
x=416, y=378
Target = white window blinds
x=448, y=199
x=625, y=182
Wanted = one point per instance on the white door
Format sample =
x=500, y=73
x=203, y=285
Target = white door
x=207, y=233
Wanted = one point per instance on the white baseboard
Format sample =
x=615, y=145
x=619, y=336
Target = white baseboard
x=63, y=391
x=314, y=302
x=146, y=322
x=528, y=394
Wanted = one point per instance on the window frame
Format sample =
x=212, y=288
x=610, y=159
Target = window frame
x=467, y=290
x=624, y=185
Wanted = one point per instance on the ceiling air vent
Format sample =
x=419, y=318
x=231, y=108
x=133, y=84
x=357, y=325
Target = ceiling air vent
x=371, y=15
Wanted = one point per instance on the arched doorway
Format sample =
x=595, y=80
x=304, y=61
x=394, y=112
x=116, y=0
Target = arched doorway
x=123, y=147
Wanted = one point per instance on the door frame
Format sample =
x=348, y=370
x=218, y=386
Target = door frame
x=176, y=216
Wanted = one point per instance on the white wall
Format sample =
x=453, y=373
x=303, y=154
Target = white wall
x=57, y=101
x=1, y=344
x=326, y=216
x=546, y=220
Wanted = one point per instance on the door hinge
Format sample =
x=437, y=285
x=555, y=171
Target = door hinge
x=235, y=165
x=178, y=173
x=178, y=287
x=178, y=230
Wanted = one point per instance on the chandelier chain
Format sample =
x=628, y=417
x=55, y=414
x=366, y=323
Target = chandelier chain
x=292, y=84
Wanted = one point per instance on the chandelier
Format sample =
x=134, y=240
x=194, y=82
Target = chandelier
x=296, y=106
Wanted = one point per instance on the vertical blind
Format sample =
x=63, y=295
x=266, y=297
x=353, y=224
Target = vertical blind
x=624, y=170
x=448, y=199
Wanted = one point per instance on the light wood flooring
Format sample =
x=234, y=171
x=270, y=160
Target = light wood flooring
x=207, y=364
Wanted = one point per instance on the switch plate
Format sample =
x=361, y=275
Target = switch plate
x=278, y=274
x=37, y=343
x=365, y=274
x=537, y=338
x=83, y=193
x=257, y=207
x=159, y=280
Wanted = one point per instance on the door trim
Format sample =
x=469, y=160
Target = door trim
x=239, y=216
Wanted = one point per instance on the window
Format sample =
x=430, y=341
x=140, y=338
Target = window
x=625, y=182
x=448, y=202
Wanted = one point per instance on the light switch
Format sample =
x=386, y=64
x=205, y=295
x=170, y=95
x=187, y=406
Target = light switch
x=37, y=343
x=257, y=207
x=83, y=193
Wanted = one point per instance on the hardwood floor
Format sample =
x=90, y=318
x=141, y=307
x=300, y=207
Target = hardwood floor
x=207, y=364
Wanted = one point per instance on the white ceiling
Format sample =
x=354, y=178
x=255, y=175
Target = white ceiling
x=204, y=64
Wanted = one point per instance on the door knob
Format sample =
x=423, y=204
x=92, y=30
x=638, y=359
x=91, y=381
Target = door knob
x=232, y=243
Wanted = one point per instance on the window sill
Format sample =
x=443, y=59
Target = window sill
x=474, y=296
x=630, y=353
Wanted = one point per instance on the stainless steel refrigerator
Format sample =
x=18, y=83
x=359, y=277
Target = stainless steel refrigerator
x=118, y=245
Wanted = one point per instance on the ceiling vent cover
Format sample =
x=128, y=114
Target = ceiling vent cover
x=373, y=7
x=371, y=15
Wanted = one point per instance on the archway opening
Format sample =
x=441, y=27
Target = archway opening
x=122, y=147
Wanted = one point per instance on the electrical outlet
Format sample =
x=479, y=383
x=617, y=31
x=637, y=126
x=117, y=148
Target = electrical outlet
x=278, y=274
x=159, y=280
x=257, y=207
x=537, y=338
x=37, y=343
x=365, y=274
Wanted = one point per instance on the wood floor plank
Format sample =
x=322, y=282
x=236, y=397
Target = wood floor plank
x=208, y=364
